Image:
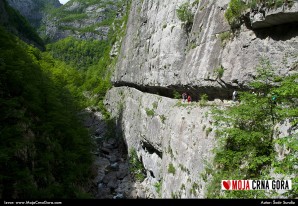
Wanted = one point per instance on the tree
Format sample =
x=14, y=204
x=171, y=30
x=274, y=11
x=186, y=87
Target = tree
x=45, y=150
x=234, y=12
x=185, y=15
x=247, y=136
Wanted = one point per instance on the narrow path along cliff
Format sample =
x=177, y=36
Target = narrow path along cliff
x=113, y=173
x=163, y=131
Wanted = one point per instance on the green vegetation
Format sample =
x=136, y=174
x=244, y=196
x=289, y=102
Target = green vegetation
x=191, y=45
x=162, y=118
x=158, y=187
x=203, y=100
x=182, y=187
x=234, y=12
x=185, y=15
x=80, y=54
x=194, y=188
x=176, y=94
x=171, y=169
x=170, y=151
x=219, y=72
x=92, y=57
x=150, y=112
x=224, y=37
x=247, y=140
x=183, y=168
x=73, y=17
x=208, y=130
x=79, y=13
x=45, y=151
x=66, y=18
x=136, y=167
x=254, y=4
x=154, y=105
x=196, y=2
x=174, y=195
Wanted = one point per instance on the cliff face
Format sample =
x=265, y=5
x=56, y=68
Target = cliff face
x=15, y=23
x=83, y=20
x=165, y=134
x=158, y=52
x=159, y=56
x=33, y=10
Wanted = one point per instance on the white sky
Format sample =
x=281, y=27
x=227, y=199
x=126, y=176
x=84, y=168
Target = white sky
x=63, y=1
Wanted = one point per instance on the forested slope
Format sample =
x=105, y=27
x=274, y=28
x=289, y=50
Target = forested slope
x=45, y=152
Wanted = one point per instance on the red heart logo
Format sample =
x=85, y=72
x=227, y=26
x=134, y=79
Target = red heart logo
x=227, y=184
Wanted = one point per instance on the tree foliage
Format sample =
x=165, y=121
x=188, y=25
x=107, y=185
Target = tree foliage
x=247, y=134
x=234, y=12
x=78, y=53
x=185, y=15
x=45, y=152
x=136, y=167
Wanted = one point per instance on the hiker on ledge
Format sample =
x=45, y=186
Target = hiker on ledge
x=184, y=96
x=189, y=99
x=234, y=95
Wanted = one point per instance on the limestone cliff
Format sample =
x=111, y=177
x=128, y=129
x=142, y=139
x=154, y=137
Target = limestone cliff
x=78, y=18
x=158, y=55
x=157, y=52
x=83, y=20
x=33, y=10
x=164, y=133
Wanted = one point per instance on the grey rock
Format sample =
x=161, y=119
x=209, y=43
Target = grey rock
x=113, y=158
x=110, y=176
x=105, y=151
x=119, y=196
x=56, y=28
x=115, y=166
x=104, y=193
x=33, y=10
x=113, y=183
x=101, y=164
x=121, y=174
x=101, y=186
x=112, y=142
x=183, y=142
x=157, y=52
x=274, y=16
x=125, y=186
x=108, y=146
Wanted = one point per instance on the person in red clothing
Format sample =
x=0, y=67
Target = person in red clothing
x=189, y=99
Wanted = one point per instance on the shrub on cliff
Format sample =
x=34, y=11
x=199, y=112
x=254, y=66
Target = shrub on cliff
x=247, y=135
x=185, y=15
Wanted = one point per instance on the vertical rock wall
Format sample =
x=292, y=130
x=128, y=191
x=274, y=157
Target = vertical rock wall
x=165, y=132
x=158, y=52
x=159, y=55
